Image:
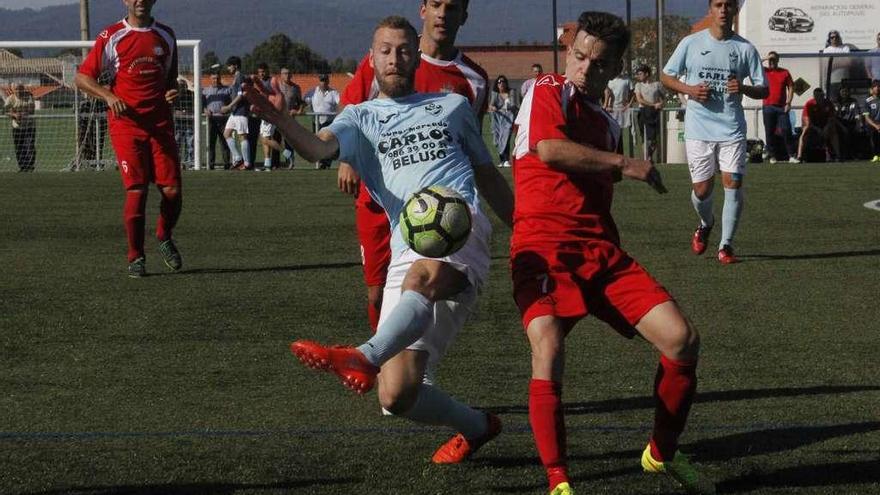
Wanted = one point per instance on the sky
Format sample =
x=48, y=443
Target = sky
x=34, y=4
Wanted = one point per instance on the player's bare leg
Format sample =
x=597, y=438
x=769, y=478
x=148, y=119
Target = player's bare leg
x=546, y=336
x=675, y=386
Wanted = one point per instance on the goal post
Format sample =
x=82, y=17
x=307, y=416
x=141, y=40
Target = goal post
x=69, y=128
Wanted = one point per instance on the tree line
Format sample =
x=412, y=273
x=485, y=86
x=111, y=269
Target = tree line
x=280, y=51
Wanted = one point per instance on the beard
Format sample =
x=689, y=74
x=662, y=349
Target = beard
x=395, y=86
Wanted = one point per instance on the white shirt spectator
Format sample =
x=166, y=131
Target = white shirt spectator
x=325, y=101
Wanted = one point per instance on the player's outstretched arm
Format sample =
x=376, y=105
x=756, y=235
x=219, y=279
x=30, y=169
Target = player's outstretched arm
x=312, y=147
x=571, y=157
x=495, y=189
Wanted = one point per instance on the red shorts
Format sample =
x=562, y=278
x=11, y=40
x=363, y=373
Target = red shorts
x=577, y=279
x=145, y=159
x=374, y=234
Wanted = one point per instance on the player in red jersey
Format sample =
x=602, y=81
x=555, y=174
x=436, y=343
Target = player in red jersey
x=442, y=69
x=566, y=257
x=140, y=55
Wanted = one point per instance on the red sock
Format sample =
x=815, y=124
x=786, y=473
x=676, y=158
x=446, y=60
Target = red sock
x=674, y=390
x=133, y=219
x=548, y=427
x=169, y=212
x=373, y=314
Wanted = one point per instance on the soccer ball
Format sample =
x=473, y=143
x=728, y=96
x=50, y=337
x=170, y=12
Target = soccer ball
x=435, y=221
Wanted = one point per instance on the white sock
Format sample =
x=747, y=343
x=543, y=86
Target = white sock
x=703, y=208
x=286, y=154
x=733, y=205
x=267, y=162
x=246, y=151
x=233, y=148
x=405, y=325
x=435, y=407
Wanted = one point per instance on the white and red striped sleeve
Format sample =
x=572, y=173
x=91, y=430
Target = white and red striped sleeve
x=542, y=114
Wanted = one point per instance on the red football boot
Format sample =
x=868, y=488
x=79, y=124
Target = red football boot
x=348, y=363
x=726, y=256
x=701, y=236
x=460, y=448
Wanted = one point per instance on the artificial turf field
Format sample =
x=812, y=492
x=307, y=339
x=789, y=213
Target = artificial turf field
x=184, y=384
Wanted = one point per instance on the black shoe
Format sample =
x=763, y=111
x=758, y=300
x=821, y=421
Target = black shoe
x=171, y=255
x=137, y=268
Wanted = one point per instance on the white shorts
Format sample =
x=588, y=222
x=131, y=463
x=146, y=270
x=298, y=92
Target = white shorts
x=267, y=130
x=622, y=116
x=705, y=157
x=238, y=123
x=449, y=316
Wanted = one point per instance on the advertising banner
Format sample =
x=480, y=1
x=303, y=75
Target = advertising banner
x=803, y=25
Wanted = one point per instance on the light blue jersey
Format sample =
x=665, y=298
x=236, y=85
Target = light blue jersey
x=702, y=58
x=401, y=145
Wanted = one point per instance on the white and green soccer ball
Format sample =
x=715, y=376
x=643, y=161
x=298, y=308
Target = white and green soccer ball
x=435, y=221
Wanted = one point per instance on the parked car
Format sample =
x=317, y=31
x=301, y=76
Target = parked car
x=790, y=20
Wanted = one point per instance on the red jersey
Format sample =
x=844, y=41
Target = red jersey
x=554, y=206
x=777, y=81
x=818, y=113
x=143, y=65
x=460, y=75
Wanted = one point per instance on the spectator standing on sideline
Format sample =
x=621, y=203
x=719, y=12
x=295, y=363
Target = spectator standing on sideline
x=649, y=95
x=236, y=130
x=20, y=107
x=872, y=64
x=183, y=123
x=622, y=97
x=92, y=129
x=141, y=55
x=295, y=103
x=503, y=105
x=818, y=129
x=528, y=84
x=777, y=105
x=841, y=65
x=848, y=121
x=872, y=119
x=214, y=98
x=324, y=100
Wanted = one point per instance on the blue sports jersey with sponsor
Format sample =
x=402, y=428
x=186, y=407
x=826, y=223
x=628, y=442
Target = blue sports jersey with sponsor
x=872, y=108
x=703, y=59
x=398, y=146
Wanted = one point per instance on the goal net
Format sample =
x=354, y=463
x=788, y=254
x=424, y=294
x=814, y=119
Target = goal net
x=65, y=129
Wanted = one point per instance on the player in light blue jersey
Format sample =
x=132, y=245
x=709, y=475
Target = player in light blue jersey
x=400, y=143
x=714, y=63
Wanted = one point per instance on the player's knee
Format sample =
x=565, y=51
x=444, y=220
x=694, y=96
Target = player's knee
x=171, y=192
x=684, y=341
x=434, y=280
x=398, y=400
